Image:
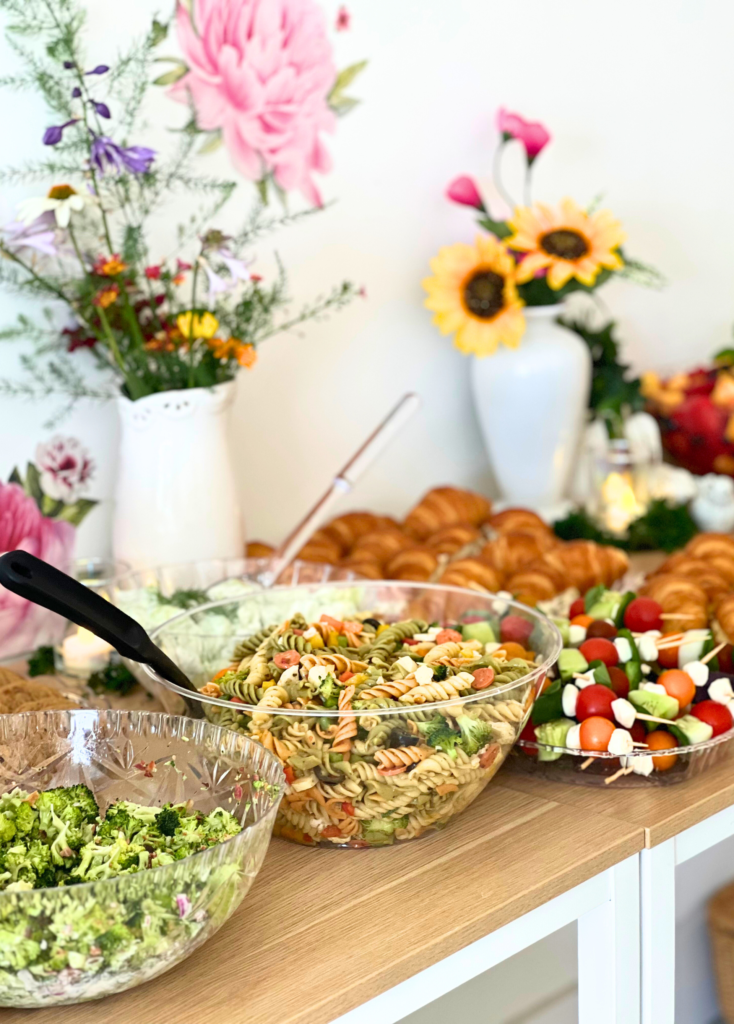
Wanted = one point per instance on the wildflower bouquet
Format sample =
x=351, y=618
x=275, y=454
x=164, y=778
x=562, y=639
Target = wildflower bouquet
x=191, y=317
x=535, y=257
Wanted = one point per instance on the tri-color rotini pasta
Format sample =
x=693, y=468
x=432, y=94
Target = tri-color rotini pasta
x=384, y=729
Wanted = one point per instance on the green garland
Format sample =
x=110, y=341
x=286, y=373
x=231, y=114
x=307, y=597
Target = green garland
x=664, y=527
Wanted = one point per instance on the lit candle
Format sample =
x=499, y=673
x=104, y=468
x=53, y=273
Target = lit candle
x=84, y=653
x=619, y=501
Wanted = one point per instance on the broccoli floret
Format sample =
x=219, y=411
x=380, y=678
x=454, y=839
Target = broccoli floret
x=72, y=805
x=118, y=819
x=83, y=798
x=25, y=818
x=379, y=831
x=438, y=733
x=475, y=733
x=7, y=830
x=329, y=692
x=167, y=821
x=115, y=937
x=222, y=821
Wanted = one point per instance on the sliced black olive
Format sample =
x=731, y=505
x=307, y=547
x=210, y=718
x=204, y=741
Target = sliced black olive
x=329, y=780
x=402, y=738
x=372, y=622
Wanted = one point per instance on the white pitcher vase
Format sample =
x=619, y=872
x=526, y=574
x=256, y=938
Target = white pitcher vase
x=531, y=403
x=175, y=499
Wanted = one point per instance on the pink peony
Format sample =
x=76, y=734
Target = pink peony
x=65, y=468
x=533, y=135
x=24, y=626
x=463, y=190
x=261, y=71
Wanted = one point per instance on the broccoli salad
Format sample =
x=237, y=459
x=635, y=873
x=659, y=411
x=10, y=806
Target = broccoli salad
x=68, y=941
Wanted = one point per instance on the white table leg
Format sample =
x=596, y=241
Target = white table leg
x=657, y=879
x=609, y=952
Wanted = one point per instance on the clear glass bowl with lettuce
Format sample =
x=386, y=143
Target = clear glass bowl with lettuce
x=150, y=901
x=401, y=760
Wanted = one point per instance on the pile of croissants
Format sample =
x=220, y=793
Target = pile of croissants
x=696, y=584
x=451, y=537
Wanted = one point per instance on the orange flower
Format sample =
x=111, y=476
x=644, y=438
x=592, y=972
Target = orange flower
x=109, y=266
x=234, y=348
x=161, y=342
x=106, y=296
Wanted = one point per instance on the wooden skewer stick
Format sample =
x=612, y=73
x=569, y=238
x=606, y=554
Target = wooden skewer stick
x=652, y=718
x=636, y=744
x=617, y=775
x=587, y=762
x=712, y=654
x=679, y=615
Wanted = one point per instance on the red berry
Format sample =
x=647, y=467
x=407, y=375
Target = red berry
x=600, y=650
x=595, y=701
x=620, y=682
x=516, y=629
x=642, y=614
x=577, y=608
x=718, y=716
x=599, y=628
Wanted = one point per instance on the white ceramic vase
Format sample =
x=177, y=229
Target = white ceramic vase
x=175, y=499
x=531, y=404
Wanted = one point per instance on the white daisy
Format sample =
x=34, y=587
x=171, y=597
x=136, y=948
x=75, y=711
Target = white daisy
x=62, y=201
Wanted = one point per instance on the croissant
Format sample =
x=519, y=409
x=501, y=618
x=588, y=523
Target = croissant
x=617, y=563
x=516, y=548
x=347, y=529
x=706, y=544
x=705, y=576
x=534, y=583
x=450, y=539
x=678, y=594
x=725, y=616
x=320, y=548
x=416, y=563
x=370, y=568
x=258, y=549
x=518, y=519
x=472, y=573
x=445, y=506
x=381, y=544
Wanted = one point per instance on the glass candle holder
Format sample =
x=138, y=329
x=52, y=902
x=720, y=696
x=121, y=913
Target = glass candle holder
x=81, y=653
x=619, y=490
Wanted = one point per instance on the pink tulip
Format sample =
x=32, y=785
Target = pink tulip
x=25, y=626
x=260, y=71
x=464, y=191
x=533, y=135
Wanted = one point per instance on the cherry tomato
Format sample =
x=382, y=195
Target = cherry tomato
x=578, y=607
x=641, y=614
x=514, y=627
x=593, y=701
x=620, y=682
x=595, y=733
x=286, y=659
x=669, y=657
x=600, y=650
x=601, y=628
x=483, y=677
x=638, y=732
x=718, y=716
x=448, y=636
x=662, y=740
x=582, y=620
x=678, y=684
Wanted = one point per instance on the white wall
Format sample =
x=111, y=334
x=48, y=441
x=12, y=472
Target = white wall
x=639, y=99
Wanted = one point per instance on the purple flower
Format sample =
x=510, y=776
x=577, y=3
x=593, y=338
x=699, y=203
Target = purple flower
x=52, y=136
x=76, y=92
x=216, y=283
x=237, y=268
x=107, y=155
x=102, y=109
x=101, y=69
x=39, y=235
x=69, y=64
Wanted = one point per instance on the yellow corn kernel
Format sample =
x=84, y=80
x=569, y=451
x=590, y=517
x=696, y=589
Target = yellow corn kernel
x=316, y=642
x=268, y=683
x=333, y=638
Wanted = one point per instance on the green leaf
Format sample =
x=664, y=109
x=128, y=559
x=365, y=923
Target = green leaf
x=342, y=105
x=499, y=228
x=51, y=507
x=41, y=662
x=33, y=483
x=158, y=32
x=211, y=143
x=172, y=76
x=75, y=513
x=15, y=477
x=345, y=78
x=262, y=189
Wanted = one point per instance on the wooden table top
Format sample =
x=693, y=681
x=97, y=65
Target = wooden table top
x=323, y=931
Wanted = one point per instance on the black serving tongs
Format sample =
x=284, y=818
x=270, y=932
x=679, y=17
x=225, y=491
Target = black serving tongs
x=41, y=583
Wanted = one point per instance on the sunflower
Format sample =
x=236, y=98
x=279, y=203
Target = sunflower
x=568, y=242
x=473, y=293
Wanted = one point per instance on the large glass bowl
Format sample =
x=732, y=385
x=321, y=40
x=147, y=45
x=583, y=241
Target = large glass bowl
x=156, y=595
x=68, y=944
x=358, y=804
